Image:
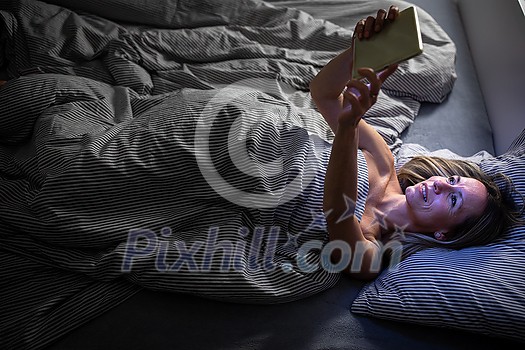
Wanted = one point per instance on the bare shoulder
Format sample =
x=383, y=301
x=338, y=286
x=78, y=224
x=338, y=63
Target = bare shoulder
x=377, y=153
x=381, y=169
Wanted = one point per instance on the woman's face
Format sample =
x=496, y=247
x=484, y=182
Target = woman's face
x=440, y=203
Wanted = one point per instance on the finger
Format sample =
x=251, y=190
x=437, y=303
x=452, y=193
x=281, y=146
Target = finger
x=369, y=24
x=359, y=29
x=351, y=98
x=384, y=74
x=393, y=12
x=375, y=82
x=380, y=20
x=352, y=115
x=364, y=92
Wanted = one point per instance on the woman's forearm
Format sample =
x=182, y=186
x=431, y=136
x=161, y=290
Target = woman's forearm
x=332, y=79
x=328, y=84
x=341, y=174
x=339, y=204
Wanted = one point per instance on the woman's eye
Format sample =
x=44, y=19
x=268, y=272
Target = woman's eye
x=451, y=180
x=453, y=200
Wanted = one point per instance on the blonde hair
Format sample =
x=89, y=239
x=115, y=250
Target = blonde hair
x=481, y=230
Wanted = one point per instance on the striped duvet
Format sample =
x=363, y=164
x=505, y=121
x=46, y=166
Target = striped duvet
x=179, y=153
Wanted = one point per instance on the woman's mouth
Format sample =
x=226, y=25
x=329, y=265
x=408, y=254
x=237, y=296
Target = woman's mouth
x=424, y=192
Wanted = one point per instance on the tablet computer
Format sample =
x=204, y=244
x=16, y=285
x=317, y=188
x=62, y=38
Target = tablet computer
x=399, y=40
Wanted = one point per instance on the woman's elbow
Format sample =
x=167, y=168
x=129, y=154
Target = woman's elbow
x=316, y=92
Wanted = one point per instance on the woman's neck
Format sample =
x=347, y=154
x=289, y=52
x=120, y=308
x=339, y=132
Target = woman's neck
x=394, y=213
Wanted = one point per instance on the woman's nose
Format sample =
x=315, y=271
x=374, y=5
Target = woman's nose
x=440, y=186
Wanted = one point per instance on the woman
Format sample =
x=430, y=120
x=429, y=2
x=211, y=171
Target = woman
x=449, y=203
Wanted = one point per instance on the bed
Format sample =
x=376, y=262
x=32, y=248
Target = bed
x=96, y=79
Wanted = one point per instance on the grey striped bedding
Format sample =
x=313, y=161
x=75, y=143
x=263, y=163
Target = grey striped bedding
x=129, y=138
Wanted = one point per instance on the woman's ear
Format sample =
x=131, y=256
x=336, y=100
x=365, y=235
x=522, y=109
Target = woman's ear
x=440, y=236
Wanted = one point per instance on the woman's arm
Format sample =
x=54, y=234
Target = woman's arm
x=340, y=190
x=343, y=102
x=327, y=87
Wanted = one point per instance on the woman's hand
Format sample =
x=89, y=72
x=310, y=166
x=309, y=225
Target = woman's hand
x=358, y=97
x=330, y=86
x=366, y=27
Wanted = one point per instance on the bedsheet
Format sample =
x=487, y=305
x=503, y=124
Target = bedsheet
x=107, y=108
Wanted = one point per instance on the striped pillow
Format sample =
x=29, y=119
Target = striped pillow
x=477, y=289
